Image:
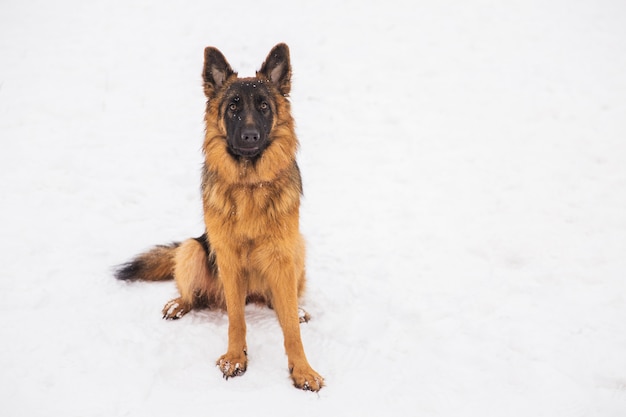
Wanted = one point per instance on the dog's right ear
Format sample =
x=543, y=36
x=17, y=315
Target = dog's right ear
x=215, y=72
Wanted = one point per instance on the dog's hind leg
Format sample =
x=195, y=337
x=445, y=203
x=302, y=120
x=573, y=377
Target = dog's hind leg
x=194, y=280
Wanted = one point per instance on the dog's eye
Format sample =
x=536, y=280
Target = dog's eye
x=264, y=106
x=232, y=107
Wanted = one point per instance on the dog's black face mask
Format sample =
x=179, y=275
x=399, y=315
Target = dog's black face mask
x=248, y=112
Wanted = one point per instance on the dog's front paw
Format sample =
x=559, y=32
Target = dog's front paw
x=306, y=378
x=233, y=365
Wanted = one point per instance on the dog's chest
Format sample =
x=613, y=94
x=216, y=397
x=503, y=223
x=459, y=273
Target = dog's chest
x=250, y=210
x=253, y=202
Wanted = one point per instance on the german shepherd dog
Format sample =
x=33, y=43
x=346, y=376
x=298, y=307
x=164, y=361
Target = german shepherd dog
x=252, y=249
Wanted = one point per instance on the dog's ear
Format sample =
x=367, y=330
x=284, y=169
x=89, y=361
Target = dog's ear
x=277, y=68
x=215, y=72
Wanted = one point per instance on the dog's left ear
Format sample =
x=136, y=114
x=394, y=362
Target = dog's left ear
x=277, y=68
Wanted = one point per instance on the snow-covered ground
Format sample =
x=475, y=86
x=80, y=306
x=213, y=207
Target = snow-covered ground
x=464, y=167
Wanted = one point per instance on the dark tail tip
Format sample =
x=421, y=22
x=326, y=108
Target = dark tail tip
x=130, y=271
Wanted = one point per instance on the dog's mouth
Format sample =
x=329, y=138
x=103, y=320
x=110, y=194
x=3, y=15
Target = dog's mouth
x=247, y=152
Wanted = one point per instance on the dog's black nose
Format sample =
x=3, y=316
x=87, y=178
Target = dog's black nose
x=250, y=135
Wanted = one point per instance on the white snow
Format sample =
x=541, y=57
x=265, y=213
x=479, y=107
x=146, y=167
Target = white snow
x=464, y=168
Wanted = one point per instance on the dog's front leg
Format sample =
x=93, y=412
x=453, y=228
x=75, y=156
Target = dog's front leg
x=234, y=361
x=285, y=302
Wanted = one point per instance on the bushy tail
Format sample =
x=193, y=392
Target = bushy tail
x=155, y=265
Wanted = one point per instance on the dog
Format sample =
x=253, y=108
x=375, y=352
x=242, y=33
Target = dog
x=252, y=249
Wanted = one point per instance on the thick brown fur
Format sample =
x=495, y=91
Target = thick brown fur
x=252, y=249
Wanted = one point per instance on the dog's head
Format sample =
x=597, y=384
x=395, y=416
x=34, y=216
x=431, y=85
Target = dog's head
x=247, y=108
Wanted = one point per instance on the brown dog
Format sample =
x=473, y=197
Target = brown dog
x=252, y=250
